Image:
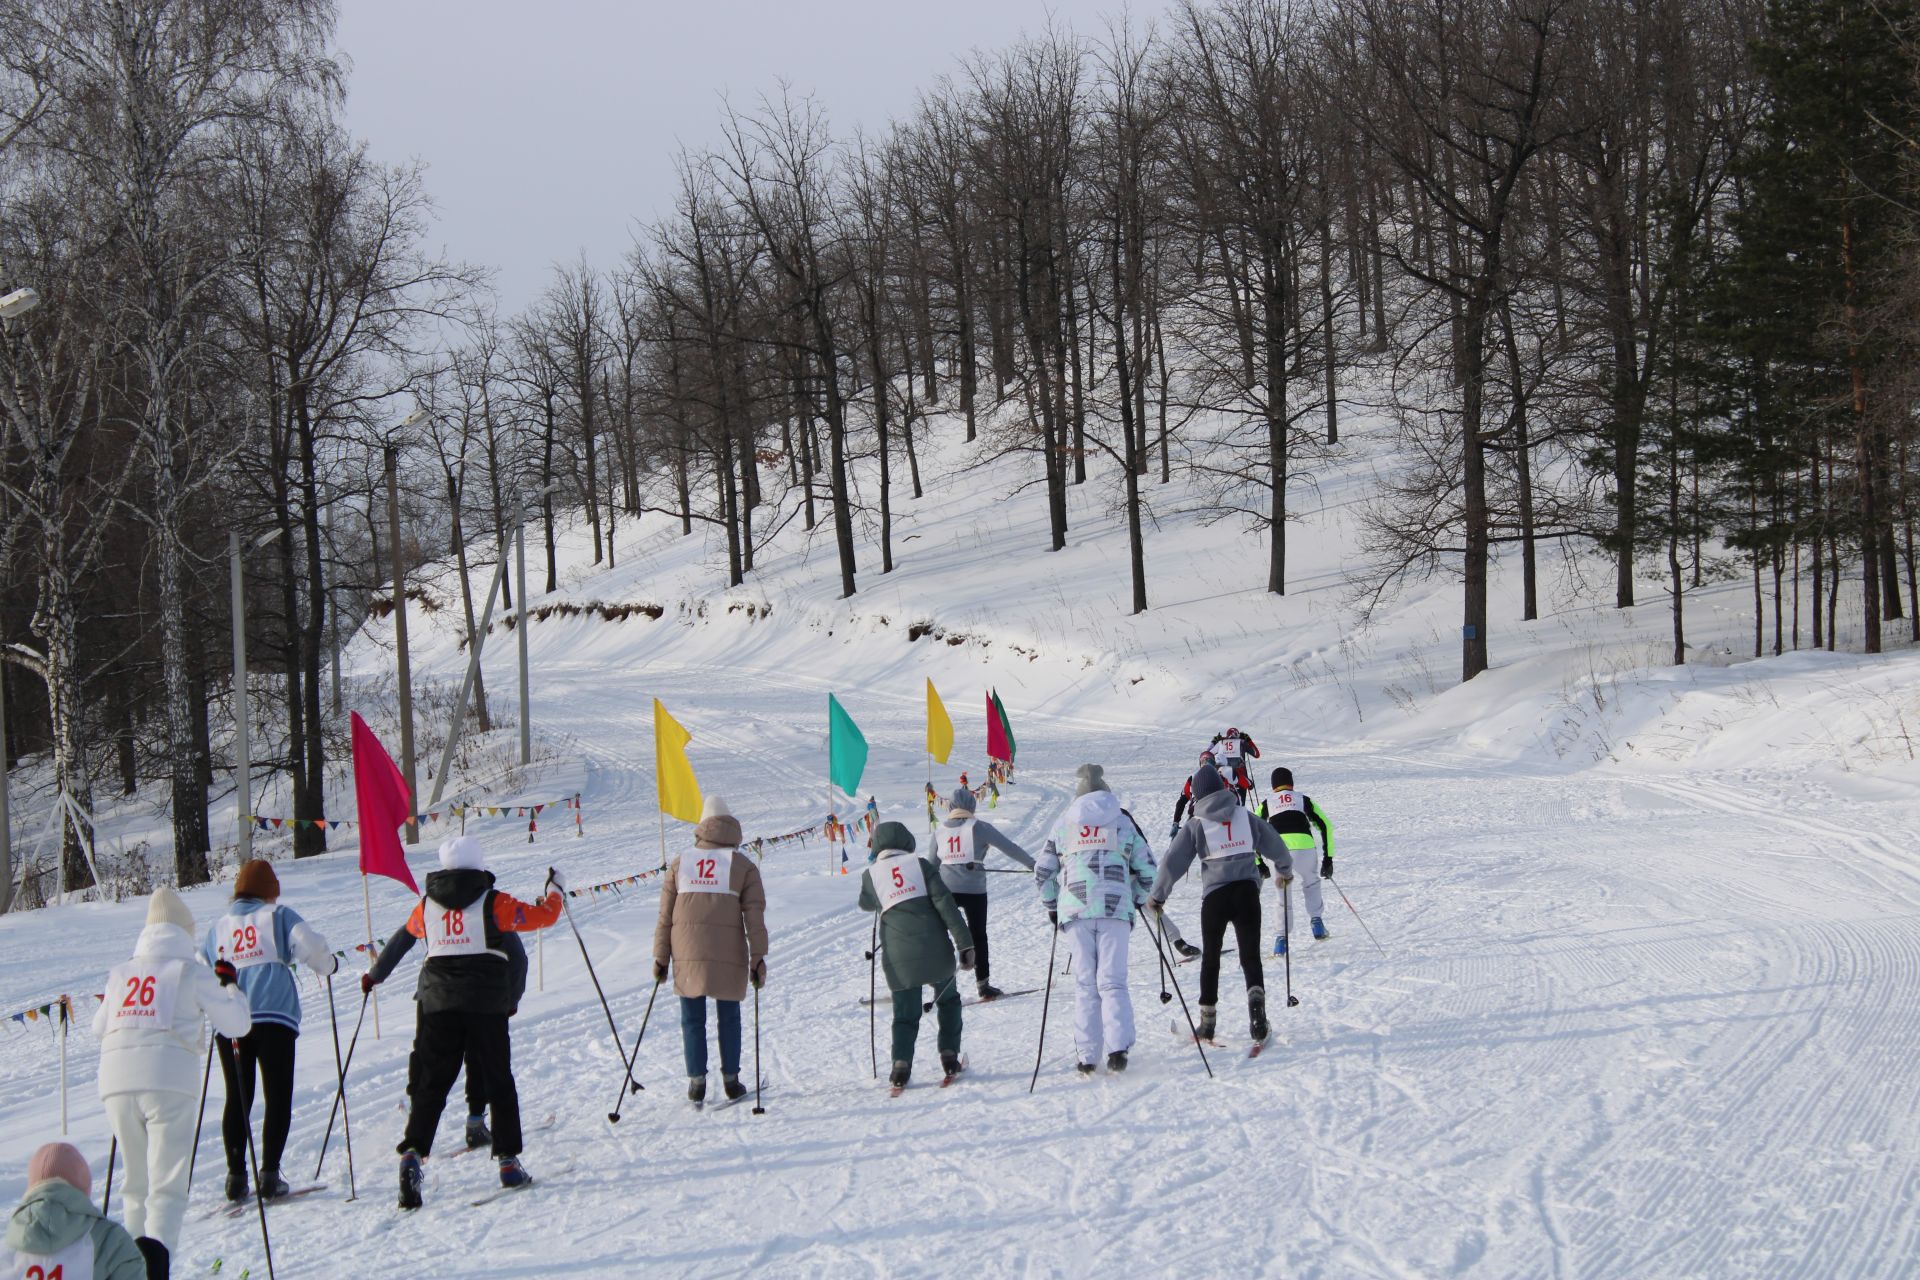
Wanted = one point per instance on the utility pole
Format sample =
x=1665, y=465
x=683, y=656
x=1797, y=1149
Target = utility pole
x=520, y=630
x=400, y=633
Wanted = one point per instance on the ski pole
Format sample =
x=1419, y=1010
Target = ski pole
x=758, y=1109
x=604, y=1006
x=1183, y=1002
x=106, y=1197
x=1166, y=996
x=613, y=1116
x=1053, y=950
x=1356, y=915
x=340, y=1069
x=259, y=1198
x=873, y=995
x=1286, y=919
x=206, y=1076
x=341, y=1092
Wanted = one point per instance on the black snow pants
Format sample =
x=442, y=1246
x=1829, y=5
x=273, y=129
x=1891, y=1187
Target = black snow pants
x=267, y=1050
x=1236, y=904
x=973, y=906
x=440, y=1042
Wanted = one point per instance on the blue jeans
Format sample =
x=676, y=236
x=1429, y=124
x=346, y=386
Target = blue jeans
x=693, y=1034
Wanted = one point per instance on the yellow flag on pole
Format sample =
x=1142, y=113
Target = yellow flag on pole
x=939, y=727
x=672, y=771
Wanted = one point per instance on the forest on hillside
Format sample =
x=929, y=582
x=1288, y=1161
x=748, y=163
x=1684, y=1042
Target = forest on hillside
x=1640, y=277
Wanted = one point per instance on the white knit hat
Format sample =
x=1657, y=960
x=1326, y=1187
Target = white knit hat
x=167, y=907
x=463, y=853
x=718, y=828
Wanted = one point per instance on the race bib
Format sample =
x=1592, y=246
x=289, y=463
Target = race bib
x=456, y=931
x=1286, y=802
x=897, y=880
x=1085, y=839
x=1232, y=838
x=75, y=1262
x=251, y=939
x=956, y=844
x=705, y=871
x=141, y=994
x=1230, y=749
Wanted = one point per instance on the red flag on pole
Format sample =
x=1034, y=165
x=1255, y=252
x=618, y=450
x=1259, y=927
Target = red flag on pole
x=385, y=806
x=997, y=745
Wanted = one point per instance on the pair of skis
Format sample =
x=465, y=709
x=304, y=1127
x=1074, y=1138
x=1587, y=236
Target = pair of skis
x=236, y=1208
x=1254, y=1048
x=895, y=1090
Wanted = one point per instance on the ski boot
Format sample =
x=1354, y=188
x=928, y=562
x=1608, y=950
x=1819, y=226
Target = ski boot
x=951, y=1064
x=730, y=1082
x=1185, y=948
x=1086, y=1070
x=272, y=1185
x=897, y=1078
x=1279, y=944
x=236, y=1187
x=1320, y=931
x=478, y=1135
x=410, y=1180
x=1117, y=1061
x=159, y=1262
x=988, y=991
x=513, y=1173
x=1206, y=1028
x=1257, y=1013
x=697, y=1091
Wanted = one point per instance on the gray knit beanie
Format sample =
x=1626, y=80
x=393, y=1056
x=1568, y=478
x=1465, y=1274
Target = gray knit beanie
x=1206, y=781
x=1091, y=778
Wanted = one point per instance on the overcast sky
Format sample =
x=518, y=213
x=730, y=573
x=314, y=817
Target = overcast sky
x=549, y=128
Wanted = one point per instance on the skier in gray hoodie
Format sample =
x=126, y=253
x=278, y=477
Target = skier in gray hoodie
x=1227, y=839
x=960, y=846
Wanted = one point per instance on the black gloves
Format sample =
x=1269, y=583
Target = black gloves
x=1326, y=866
x=224, y=970
x=1265, y=871
x=367, y=984
x=1053, y=918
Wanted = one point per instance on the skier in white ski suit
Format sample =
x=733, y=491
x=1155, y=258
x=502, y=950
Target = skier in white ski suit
x=153, y=1040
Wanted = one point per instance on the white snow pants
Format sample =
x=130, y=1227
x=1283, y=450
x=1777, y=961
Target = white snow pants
x=1103, y=1016
x=1306, y=877
x=155, y=1129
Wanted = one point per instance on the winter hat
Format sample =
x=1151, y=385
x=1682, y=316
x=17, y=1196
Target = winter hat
x=1282, y=779
x=892, y=835
x=1206, y=781
x=60, y=1160
x=463, y=853
x=1091, y=779
x=962, y=803
x=718, y=828
x=167, y=907
x=256, y=880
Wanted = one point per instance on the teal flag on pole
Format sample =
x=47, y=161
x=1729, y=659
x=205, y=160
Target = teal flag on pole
x=846, y=748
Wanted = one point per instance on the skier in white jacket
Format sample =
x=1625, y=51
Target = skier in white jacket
x=153, y=1043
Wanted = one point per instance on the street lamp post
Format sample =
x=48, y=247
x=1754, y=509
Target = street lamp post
x=242, y=712
x=17, y=303
x=520, y=626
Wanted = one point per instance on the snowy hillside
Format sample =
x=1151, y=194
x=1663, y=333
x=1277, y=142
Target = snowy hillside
x=1645, y=1001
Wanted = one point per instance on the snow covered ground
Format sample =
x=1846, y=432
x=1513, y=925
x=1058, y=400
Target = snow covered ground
x=1647, y=1005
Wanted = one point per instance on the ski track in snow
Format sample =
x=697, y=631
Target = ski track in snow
x=1681, y=1045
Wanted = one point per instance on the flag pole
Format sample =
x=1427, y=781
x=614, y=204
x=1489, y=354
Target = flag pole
x=831, y=835
x=366, y=899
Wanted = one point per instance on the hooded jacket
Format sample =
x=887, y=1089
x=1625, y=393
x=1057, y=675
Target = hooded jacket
x=971, y=877
x=1102, y=884
x=483, y=983
x=1203, y=834
x=137, y=1059
x=712, y=939
x=918, y=937
x=54, y=1215
x=271, y=991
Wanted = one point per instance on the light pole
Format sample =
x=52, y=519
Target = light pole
x=242, y=713
x=17, y=303
x=520, y=625
x=404, y=666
